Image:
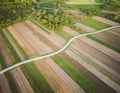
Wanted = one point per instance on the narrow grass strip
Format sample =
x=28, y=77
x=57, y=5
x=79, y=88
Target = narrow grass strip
x=82, y=81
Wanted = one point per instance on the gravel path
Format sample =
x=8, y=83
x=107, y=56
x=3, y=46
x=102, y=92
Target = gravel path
x=4, y=84
x=84, y=27
x=104, y=20
x=93, y=70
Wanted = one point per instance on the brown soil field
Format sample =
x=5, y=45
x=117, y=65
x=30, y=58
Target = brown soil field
x=70, y=31
x=84, y=27
x=21, y=41
x=110, y=38
x=4, y=84
x=116, y=30
x=106, y=21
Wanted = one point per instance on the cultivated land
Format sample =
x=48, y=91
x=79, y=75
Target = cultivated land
x=86, y=66
x=81, y=2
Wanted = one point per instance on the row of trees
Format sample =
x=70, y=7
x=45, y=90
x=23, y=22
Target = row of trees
x=11, y=10
x=50, y=13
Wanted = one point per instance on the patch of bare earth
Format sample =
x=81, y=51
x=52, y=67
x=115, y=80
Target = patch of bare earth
x=19, y=79
x=4, y=84
x=110, y=38
x=84, y=27
x=104, y=20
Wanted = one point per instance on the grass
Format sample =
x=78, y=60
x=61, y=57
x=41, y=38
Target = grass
x=32, y=74
x=95, y=24
x=82, y=81
x=102, y=70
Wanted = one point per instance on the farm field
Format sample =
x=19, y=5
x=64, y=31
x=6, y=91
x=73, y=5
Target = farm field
x=86, y=66
x=81, y=2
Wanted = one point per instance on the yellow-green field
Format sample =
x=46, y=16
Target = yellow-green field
x=81, y=2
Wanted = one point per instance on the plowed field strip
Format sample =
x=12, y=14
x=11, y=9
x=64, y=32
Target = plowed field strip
x=116, y=30
x=110, y=38
x=4, y=84
x=21, y=81
x=84, y=27
x=21, y=41
x=106, y=21
x=109, y=82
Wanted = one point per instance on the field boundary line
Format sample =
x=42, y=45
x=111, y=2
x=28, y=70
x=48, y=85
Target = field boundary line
x=57, y=52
